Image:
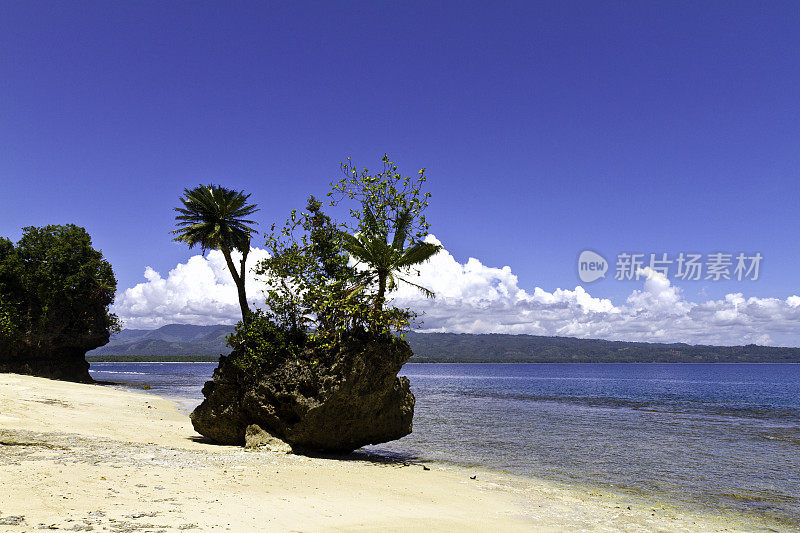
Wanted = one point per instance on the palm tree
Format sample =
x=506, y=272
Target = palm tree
x=385, y=259
x=213, y=217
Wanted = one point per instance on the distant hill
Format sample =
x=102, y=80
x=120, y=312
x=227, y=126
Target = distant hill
x=173, y=340
x=500, y=348
x=185, y=342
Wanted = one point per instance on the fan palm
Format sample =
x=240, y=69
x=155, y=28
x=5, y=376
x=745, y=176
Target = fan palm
x=385, y=260
x=213, y=217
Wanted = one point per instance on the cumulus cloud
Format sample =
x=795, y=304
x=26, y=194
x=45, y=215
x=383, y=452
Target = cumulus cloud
x=474, y=298
x=199, y=291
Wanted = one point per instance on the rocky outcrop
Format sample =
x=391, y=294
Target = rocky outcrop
x=256, y=437
x=55, y=291
x=61, y=356
x=335, y=400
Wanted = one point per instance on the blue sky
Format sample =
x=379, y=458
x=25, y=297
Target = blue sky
x=547, y=128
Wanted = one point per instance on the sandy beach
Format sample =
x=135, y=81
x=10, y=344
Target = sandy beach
x=81, y=457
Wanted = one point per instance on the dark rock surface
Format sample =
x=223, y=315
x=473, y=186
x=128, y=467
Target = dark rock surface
x=256, y=437
x=61, y=356
x=335, y=401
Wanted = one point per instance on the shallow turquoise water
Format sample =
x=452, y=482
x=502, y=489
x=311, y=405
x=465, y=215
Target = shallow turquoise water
x=725, y=436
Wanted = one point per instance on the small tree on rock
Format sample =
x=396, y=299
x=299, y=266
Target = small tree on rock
x=391, y=215
x=214, y=218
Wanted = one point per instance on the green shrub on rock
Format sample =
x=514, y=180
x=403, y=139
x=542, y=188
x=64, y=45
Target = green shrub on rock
x=55, y=293
x=259, y=336
x=318, y=366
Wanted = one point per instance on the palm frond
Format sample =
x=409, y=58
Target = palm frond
x=358, y=289
x=213, y=217
x=355, y=247
x=401, y=227
x=372, y=225
x=416, y=254
x=427, y=292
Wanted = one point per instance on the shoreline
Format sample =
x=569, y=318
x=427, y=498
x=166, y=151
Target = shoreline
x=93, y=455
x=504, y=362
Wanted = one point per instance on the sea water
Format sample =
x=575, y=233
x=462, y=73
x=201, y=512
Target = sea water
x=721, y=436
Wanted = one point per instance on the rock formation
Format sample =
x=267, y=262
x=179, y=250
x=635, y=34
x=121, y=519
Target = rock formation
x=256, y=437
x=61, y=356
x=55, y=291
x=332, y=400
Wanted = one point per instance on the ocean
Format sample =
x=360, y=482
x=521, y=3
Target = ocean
x=724, y=437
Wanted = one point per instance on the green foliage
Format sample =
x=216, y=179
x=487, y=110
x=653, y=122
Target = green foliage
x=213, y=217
x=54, y=283
x=305, y=268
x=312, y=288
x=381, y=198
x=8, y=320
x=324, y=283
x=259, y=336
x=11, y=293
x=386, y=260
x=390, y=205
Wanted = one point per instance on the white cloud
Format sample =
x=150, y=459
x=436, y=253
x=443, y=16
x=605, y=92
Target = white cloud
x=199, y=291
x=474, y=298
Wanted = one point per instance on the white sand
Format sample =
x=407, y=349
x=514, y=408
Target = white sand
x=76, y=457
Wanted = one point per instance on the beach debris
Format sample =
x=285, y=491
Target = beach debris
x=12, y=520
x=141, y=515
x=473, y=477
x=425, y=467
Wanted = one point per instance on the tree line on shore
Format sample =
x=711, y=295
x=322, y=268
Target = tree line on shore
x=206, y=343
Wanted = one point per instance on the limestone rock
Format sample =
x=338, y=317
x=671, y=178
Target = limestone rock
x=255, y=437
x=62, y=356
x=333, y=401
x=55, y=290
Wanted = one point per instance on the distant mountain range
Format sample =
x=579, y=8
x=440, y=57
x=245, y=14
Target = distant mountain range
x=181, y=342
x=173, y=340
